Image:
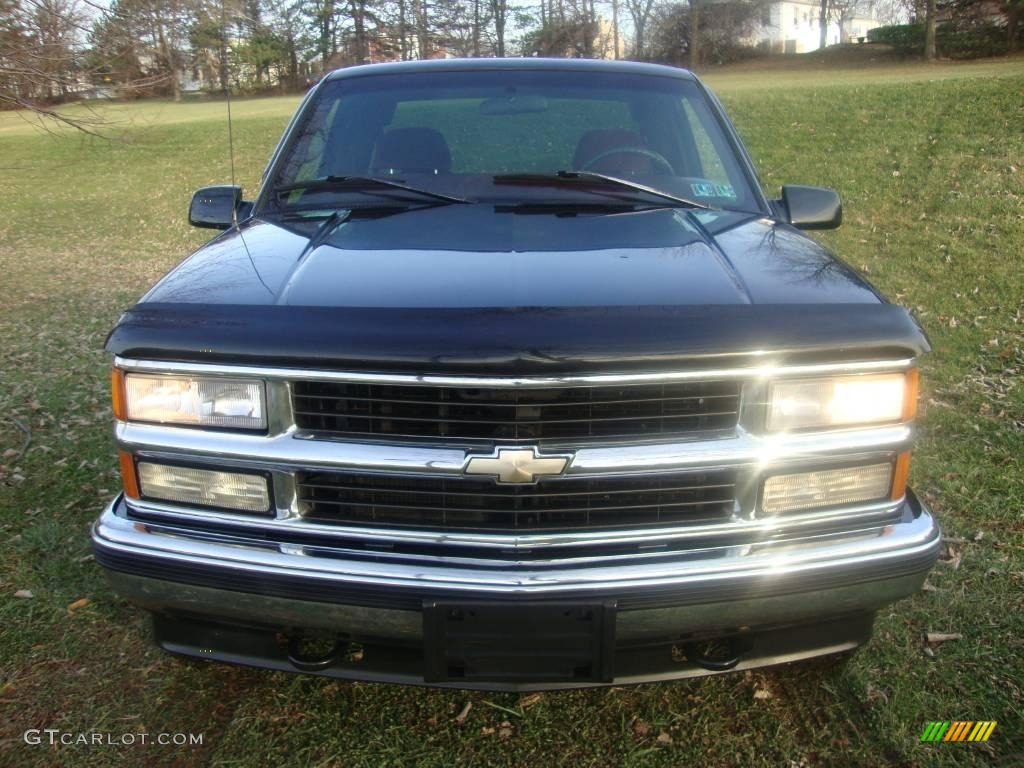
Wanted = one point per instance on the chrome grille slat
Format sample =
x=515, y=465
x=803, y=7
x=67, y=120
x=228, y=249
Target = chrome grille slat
x=493, y=510
x=450, y=403
x=555, y=504
x=493, y=414
x=521, y=495
x=342, y=414
x=589, y=439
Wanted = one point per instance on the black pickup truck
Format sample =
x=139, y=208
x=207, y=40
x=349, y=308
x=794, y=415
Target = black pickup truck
x=510, y=377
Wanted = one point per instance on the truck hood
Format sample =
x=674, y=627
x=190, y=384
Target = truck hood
x=484, y=256
x=482, y=287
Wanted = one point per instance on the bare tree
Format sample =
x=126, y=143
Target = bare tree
x=39, y=52
x=571, y=29
x=640, y=13
x=929, y=31
x=157, y=34
x=422, y=28
x=41, y=59
x=476, y=27
x=834, y=11
x=458, y=26
x=1013, y=12
x=695, y=33
x=360, y=43
x=499, y=12
x=288, y=27
x=615, y=29
x=669, y=41
x=325, y=22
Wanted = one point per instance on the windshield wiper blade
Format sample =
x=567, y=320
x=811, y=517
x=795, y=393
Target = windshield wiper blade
x=614, y=207
x=570, y=177
x=360, y=183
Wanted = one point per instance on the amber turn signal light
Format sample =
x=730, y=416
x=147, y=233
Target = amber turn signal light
x=117, y=394
x=910, y=395
x=900, y=475
x=128, y=477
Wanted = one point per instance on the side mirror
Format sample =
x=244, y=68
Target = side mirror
x=812, y=207
x=215, y=207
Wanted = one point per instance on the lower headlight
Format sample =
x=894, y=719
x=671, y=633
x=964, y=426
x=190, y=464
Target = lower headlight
x=826, y=488
x=204, y=487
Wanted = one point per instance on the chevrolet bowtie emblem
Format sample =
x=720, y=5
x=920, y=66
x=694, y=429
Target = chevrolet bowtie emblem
x=516, y=465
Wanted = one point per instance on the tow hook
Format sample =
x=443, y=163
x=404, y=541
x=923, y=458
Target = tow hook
x=715, y=656
x=304, y=652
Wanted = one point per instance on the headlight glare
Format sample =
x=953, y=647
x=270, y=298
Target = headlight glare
x=837, y=401
x=207, y=402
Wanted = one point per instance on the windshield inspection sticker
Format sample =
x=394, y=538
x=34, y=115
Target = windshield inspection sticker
x=708, y=189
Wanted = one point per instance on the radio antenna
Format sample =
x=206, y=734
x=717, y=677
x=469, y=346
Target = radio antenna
x=226, y=72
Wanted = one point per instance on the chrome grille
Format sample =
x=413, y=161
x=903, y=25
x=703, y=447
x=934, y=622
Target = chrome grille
x=564, y=503
x=537, y=415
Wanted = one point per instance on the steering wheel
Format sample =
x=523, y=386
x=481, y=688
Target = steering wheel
x=650, y=154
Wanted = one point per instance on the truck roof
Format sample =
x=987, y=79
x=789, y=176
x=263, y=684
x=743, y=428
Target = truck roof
x=563, y=65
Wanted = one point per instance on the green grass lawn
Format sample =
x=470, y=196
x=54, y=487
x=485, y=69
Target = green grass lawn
x=930, y=162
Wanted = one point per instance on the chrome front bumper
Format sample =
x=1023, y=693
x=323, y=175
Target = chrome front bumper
x=771, y=583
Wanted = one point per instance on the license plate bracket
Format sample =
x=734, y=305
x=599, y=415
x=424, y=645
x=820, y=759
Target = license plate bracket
x=522, y=642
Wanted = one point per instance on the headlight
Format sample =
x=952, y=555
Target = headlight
x=205, y=402
x=204, y=487
x=828, y=488
x=841, y=401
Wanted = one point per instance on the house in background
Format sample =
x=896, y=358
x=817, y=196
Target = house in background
x=791, y=26
x=606, y=39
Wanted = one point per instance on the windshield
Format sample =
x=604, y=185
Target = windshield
x=453, y=132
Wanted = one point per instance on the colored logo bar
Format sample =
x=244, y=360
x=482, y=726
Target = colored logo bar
x=958, y=730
